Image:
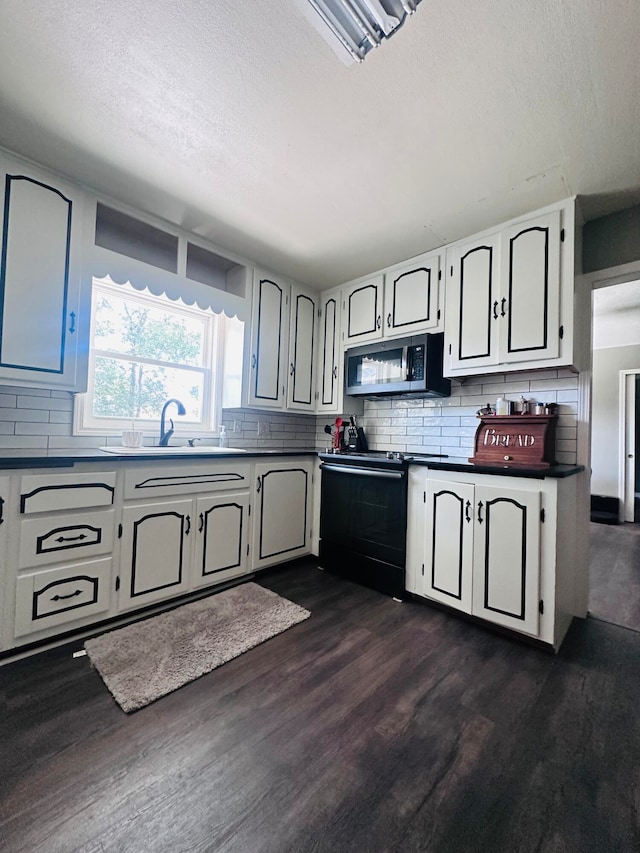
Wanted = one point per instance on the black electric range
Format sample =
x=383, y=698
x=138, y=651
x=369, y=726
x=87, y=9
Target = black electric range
x=363, y=517
x=376, y=458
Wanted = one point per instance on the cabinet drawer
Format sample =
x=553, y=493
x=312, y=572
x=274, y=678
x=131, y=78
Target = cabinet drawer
x=59, y=538
x=154, y=481
x=50, y=493
x=57, y=596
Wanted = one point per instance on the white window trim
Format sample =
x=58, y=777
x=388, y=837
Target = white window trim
x=85, y=425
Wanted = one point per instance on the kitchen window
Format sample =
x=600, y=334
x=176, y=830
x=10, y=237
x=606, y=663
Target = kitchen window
x=146, y=348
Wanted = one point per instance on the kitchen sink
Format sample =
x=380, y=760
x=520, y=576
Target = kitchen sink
x=174, y=451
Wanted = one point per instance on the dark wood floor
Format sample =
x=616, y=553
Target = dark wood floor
x=372, y=726
x=614, y=561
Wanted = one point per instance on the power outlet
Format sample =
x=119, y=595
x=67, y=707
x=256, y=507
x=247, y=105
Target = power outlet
x=263, y=427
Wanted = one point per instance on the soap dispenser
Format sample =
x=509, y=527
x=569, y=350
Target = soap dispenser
x=222, y=441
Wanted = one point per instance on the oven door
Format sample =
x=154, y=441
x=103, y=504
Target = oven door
x=363, y=521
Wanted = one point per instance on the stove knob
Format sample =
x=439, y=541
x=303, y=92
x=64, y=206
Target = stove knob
x=389, y=454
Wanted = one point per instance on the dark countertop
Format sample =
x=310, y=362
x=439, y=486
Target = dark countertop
x=11, y=459
x=557, y=471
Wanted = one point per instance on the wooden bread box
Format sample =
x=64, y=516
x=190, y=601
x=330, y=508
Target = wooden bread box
x=525, y=441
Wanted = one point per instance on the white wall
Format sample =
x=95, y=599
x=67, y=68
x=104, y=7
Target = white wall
x=605, y=435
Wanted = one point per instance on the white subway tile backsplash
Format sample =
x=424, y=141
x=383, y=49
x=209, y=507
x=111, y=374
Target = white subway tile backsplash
x=17, y=415
x=28, y=402
x=41, y=429
x=554, y=384
x=32, y=418
x=449, y=425
x=23, y=442
x=36, y=392
x=60, y=417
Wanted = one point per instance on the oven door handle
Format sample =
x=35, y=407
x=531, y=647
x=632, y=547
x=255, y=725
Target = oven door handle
x=365, y=472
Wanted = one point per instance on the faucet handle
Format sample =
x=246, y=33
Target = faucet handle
x=192, y=442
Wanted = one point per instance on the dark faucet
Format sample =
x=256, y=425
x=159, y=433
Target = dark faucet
x=166, y=435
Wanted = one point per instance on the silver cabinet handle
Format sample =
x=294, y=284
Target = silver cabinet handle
x=72, y=326
x=378, y=322
x=254, y=360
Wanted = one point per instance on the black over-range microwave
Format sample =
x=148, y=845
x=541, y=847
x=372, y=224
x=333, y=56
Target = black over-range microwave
x=402, y=366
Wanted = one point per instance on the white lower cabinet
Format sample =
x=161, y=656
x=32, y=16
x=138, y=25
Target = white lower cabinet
x=56, y=597
x=488, y=546
x=61, y=540
x=172, y=546
x=448, y=543
x=155, y=554
x=222, y=539
x=80, y=547
x=194, y=533
x=282, y=520
x=506, y=557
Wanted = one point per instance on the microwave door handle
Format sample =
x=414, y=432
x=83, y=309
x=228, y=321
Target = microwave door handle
x=406, y=367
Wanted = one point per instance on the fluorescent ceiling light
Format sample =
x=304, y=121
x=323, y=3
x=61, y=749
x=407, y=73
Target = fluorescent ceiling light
x=357, y=26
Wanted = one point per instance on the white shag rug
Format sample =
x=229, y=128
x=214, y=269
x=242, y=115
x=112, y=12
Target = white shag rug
x=148, y=659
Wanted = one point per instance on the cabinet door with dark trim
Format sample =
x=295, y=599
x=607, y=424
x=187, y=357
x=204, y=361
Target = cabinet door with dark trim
x=56, y=597
x=362, y=311
x=506, y=570
x=269, y=341
x=155, y=557
x=530, y=299
x=281, y=525
x=39, y=289
x=49, y=538
x=329, y=372
x=411, y=292
x=302, y=350
x=473, y=305
x=448, y=565
x=221, y=537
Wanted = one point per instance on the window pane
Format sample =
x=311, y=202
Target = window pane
x=125, y=389
x=131, y=327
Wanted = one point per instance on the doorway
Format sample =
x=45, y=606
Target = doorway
x=616, y=365
x=615, y=435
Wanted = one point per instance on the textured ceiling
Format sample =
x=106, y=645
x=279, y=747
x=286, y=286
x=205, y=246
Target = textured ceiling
x=237, y=121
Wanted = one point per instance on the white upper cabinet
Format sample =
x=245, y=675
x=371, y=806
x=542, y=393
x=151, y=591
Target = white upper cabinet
x=362, y=306
x=269, y=340
x=41, y=227
x=411, y=296
x=472, y=303
x=302, y=350
x=329, y=371
x=282, y=355
x=530, y=299
x=510, y=296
